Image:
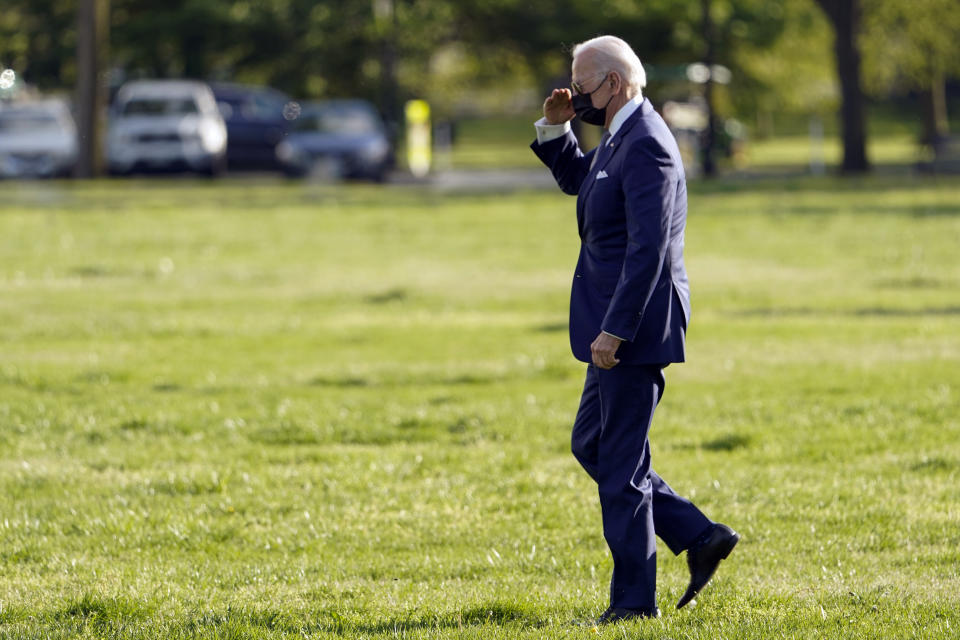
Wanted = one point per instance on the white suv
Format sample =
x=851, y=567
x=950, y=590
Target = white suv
x=37, y=139
x=166, y=124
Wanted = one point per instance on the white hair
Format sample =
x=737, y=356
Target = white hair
x=610, y=53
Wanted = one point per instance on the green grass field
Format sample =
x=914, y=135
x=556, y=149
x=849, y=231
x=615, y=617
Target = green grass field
x=270, y=410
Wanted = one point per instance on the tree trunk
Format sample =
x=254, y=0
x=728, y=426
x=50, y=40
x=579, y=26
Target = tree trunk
x=710, y=135
x=845, y=17
x=934, y=104
x=193, y=55
x=385, y=13
x=91, y=55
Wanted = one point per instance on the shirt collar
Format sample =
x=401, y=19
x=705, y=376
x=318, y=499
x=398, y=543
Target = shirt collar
x=625, y=112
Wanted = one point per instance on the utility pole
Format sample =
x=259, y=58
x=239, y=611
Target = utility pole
x=92, y=41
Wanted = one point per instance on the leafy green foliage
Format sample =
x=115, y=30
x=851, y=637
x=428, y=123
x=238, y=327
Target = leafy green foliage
x=910, y=45
x=484, y=56
x=38, y=40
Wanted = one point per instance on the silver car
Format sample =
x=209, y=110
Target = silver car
x=37, y=139
x=166, y=125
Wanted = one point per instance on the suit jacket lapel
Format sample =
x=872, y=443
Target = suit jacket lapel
x=605, y=155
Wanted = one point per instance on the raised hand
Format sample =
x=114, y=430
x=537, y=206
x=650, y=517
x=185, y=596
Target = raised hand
x=558, y=108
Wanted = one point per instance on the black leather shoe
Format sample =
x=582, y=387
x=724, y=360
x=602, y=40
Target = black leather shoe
x=704, y=557
x=616, y=614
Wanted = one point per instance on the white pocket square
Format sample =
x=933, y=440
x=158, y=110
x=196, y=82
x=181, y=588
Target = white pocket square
x=602, y=174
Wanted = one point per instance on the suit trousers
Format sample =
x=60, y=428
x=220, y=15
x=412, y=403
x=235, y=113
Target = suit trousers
x=610, y=440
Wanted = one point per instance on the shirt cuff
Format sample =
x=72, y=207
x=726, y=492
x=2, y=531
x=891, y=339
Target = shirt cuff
x=547, y=132
x=613, y=336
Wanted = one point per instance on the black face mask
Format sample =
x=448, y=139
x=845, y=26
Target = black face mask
x=583, y=106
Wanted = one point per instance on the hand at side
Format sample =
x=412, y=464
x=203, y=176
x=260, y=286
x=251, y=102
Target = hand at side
x=604, y=351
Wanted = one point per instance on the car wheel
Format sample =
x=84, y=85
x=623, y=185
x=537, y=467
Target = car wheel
x=294, y=172
x=380, y=175
x=217, y=168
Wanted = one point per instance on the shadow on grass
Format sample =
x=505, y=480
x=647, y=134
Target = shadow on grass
x=906, y=313
x=553, y=327
x=917, y=282
x=729, y=442
x=936, y=465
x=790, y=178
x=391, y=295
x=549, y=371
x=243, y=622
x=90, y=612
x=863, y=312
x=494, y=613
x=462, y=379
x=725, y=443
x=118, y=617
x=917, y=211
x=343, y=383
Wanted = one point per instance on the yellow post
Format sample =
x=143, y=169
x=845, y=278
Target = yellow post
x=417, y=114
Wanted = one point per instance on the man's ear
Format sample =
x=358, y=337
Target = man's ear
x=616, y=82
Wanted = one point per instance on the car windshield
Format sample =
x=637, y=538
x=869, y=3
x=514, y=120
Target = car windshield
x=160, y=107
x=25, y=121
x=350, y=120
x=250, y=107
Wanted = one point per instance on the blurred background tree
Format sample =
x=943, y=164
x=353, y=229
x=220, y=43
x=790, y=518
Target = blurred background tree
x=38, y=41
x=846, y=18
x=913, y=47
x=476, y=57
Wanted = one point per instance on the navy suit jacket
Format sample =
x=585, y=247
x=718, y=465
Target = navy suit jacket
x=630, y=279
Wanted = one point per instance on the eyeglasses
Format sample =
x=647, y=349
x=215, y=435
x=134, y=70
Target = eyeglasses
x=578, y=88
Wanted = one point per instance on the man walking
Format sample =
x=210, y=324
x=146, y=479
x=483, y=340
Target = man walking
x=629, y=309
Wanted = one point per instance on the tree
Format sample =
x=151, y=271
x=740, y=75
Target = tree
x=38, y=40
x=913, y=46
x=795, y=72
x=710, y=61
x=90, y=95
x=845, y=17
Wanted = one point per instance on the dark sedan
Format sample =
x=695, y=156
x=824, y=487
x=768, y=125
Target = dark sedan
x=337, y=139
x=257, y=119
